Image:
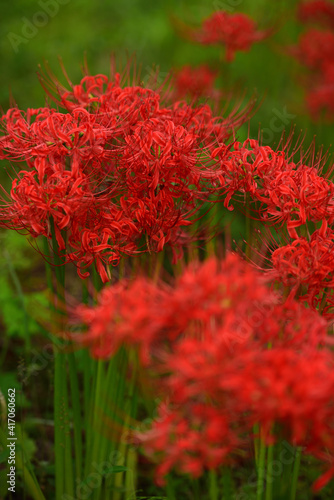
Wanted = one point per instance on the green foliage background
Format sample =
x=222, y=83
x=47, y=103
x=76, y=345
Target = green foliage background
x=143, y=27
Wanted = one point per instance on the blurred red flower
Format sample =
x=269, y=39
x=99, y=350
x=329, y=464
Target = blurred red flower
x=236, y=32
x=317, y=11
x=195, y=83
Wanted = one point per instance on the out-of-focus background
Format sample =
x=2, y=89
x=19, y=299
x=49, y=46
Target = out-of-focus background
x=33, y=32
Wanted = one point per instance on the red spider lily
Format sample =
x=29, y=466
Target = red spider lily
x=54, y=135
x=318, y=11
x=315, y=48
x=247, y=167
x=117, y=319
x=140, y=169
x=236, y=32
x=59, y=195
x=306, y=266
x=190, y=438
x=321, y=99
x=256, y=386
x=300, y=195
x=218, y=302
x=195, y=83
x=266, y=387
x=276, y=368
x=289, y=192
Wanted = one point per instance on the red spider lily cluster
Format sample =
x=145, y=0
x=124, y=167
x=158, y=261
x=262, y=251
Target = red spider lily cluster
x=117, y=173
x=306, y=267
x=235, y=32
x=315, y=50
x=290, y=193
x=117, y=170
x=230, y=354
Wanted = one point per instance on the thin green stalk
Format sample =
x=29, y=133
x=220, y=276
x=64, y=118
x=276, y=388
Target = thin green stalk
x=130, y=478
x=59, y=425
x=261, y=470
x=117, y=379
x=256, y=430
x=68, y=464
x=89, y=417
x=227, y=484
x=129, y=409
x=87, y=372
x=170, y=489
x=295, y=473
x=63, y=446
x=196, y=489
x=76, y=407
x=87, y=383
x=213, y=485
x=59, y=437
x=94, y=444
x=269, y=477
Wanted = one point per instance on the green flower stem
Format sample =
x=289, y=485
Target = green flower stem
x=58, y=390
x=261, y=470
x=59, y=426
x=69, y=471
x=63, y=443
x=97, y=408
x=170, y=489
x=213, y=486
x=87, y=373
x=227, y=484
x=269, y=478
x=117, y=376
x=76, y=407
x=295, y=473
x=130, y=476
x=87, y=383
x=197, y=494
x=130, y=413
x=256, y=431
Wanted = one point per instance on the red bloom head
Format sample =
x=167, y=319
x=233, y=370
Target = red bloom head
x=315, y=48
x=236, y=32
x=317, y=11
